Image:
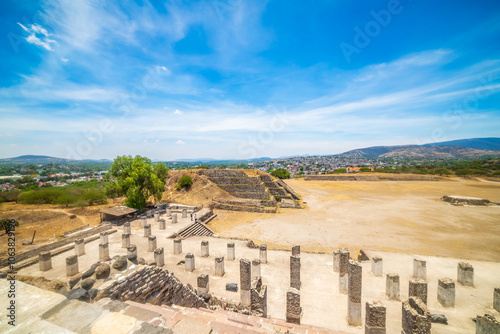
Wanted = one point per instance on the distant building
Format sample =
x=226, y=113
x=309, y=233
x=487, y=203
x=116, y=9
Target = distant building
x=356, y=169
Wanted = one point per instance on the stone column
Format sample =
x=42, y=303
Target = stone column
x=147, y=230
x=157, y=217
x=336, y=260
x=293, y=310
x=258, y=297
x=161, y=225
x=45, y=261
x=174, y=218
x=354, y=294
x=202, y=281
x=230, y=251
x=392, y=286
x=487, y=324
x=377, y=265
x=446, y=292
x=132, y=249
x=219, y=266
x=496, y=299
x=169, y=212
x=177, y=246
x=144, y=222
x=72, y=265
x=184, y=213
x=103, y=238
x=255, y=269
x=465, y=274
x=205, y=252
x=103, y=252
x=343, y=270
x=375, y=318
x=151, y=243
x=263, y=253
x=419, y=269
x=159, y=257
x=295, y=271
x=418, y=288
x=296, y=250
x=125, y=240
x=126, y=228
x=245, y=281
x=79, y=247
x=189, y=262
x=415, y=317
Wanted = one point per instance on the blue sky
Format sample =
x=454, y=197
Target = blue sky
x=244, y=79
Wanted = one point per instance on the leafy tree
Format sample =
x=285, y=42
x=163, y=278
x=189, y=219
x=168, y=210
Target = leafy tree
x=7, y=224
x=184, y=182
x=365, y=169
x=138, y=179
x=281, y=173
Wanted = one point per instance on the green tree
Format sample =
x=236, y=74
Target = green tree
x=281, y=173
x=8, y=224
x=138, y=179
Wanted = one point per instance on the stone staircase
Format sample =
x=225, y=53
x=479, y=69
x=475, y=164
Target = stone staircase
x=252, y=194
x=195, y=229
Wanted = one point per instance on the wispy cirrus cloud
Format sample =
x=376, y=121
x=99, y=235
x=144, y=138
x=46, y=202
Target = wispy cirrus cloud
x=38, y=35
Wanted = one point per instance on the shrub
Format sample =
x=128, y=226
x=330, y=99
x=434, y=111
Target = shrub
x=185, y=182
x=280, y=173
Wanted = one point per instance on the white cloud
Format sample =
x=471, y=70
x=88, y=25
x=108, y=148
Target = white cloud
x=178, y=112
x=161, y=68
x=180, y=142
x=38, y=36
x=64, y=59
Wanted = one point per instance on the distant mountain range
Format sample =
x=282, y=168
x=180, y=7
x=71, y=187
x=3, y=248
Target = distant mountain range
x=454, y=149
x=44, y=159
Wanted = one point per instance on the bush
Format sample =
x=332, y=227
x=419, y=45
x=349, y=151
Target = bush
x=185, y=182
x=280, y=173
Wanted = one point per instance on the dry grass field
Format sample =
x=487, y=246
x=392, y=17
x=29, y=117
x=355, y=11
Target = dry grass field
x=399, y=216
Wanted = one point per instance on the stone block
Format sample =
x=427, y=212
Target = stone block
x=151, y=243
x=103, y=251
x=263, y=253
x=446, y=292
x=219, y=266
x=343, y=270
x=205, y=251
x=255, y=268
x=125, y=240
x=296, y=250
x=174, y=218
x=103, y=238
x=72, y=265
x=189, y=262
x=184, y=213
x=177, y=246
x=79, y=247
x=392, y=286
x=295, y=271
x=418, y=288
x=230, y=252
x=126, y=228
x=465, y=274
x=377, y=266
x=159, y=257
x=336, y=260
x=203, y=283
x=147, y=230
x=245, y=281
x=45, y=261
x=487, y=324
x=354, y=293
x=496, y=299
x=375, y=318
x=162, y=225
x=293, y=309
x=416, y=318
x=419, y=269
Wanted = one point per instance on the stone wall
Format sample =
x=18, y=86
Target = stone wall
x=48, y=247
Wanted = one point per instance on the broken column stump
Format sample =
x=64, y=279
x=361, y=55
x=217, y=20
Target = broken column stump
x=446, y=292
x=245, y=281
x=375, y=318
x=293, y=310
x=354, y=293
x=465, y=274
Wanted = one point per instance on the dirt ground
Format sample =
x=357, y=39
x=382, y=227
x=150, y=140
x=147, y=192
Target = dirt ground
x=392, y=216
x=49, y=221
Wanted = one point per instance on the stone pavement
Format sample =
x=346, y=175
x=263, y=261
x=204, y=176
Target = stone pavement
x=41, y=311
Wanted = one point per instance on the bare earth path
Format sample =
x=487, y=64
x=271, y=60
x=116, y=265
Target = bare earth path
x=401, y=216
